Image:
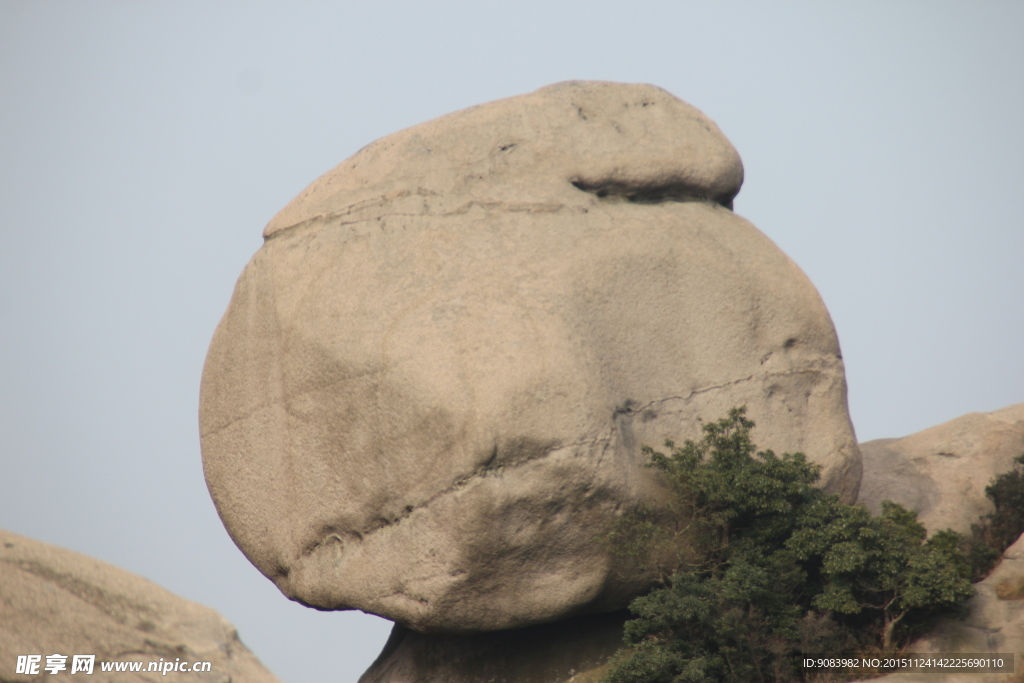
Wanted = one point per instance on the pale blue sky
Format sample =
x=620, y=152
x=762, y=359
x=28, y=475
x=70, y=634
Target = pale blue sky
x=143, y=146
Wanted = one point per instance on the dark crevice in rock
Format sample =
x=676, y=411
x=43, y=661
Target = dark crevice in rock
x=649, y=194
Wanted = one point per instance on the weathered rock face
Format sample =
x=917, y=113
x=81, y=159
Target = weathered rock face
x=53, y=600
x=941, y=473
x=427, y=396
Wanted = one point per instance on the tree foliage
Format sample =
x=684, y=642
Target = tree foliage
x=879, y=566
x=769, y=566
x=997, y=530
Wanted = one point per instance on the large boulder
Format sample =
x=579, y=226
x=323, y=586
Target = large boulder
x=55, y=601
x=427, y=397
x=941, y=473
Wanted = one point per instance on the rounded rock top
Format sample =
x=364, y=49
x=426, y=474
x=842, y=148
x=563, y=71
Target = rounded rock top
x=635, y=141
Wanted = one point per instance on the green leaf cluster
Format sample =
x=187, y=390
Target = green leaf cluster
x=881, y=567
x=996, y=531
x=774, y=567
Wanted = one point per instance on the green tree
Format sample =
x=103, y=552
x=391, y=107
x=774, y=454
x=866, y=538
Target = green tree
x=767, y=566
x=996, y=531
x=879, y=564
x=1006, y=492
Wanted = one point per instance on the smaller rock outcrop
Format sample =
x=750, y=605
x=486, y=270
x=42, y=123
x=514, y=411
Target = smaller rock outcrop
x=941, y=473
x=55, y=601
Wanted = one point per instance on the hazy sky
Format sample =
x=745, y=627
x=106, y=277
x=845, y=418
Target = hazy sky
x=144, y=145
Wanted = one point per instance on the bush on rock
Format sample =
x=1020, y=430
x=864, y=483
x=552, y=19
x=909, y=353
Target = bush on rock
x=780, y=567
x=996, y=531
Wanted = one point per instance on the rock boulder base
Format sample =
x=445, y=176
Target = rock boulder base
x=427, y=397
x=572, y=651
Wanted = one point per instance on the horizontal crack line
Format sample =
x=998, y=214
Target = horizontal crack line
x=462, y=209
x=459, y=483
x=631, y=410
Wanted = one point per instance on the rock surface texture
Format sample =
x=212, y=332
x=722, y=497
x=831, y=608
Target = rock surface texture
x=941, y=473
x=427, y=396
x=53, y=600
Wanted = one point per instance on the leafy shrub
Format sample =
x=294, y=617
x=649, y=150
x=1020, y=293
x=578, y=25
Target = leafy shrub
x=879, y=567
x=767, y=566
x=995, y=532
